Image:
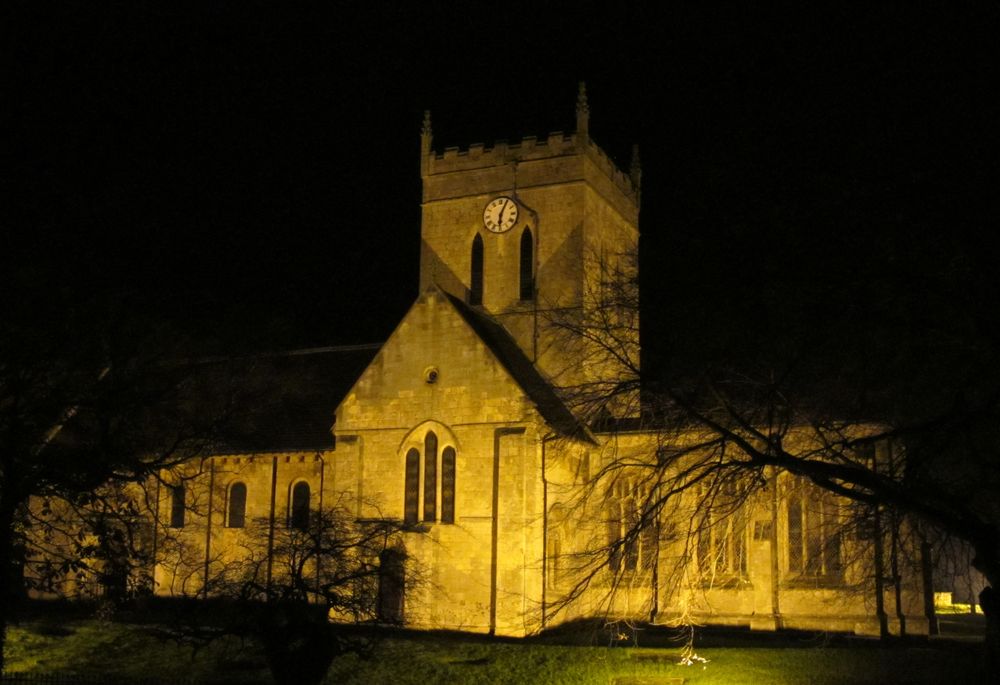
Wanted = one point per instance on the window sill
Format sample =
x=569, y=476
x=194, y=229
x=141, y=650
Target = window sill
x=799, y=581
x=727, y=583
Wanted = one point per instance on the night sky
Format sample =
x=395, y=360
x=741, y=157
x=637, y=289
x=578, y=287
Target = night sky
x=250, y=171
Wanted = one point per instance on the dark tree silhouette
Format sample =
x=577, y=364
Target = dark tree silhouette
x=879, y=388
x=309, y=593
x=92, y=398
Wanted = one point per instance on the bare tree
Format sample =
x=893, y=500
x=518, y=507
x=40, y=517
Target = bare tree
x=904, y=434
x=310, y=591
x=96, y=395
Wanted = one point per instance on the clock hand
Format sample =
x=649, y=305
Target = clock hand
x=502, y=209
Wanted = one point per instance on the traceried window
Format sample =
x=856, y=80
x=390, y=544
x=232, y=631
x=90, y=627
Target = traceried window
x=177, y=506
x=236, y=509
x=721, y=533
x=813, y=532
x=526, y=273
x=476, y=275
x=298, y=512
x=632, y=541
x=722, y=546
x=429, y=480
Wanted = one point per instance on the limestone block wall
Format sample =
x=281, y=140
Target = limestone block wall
x=206, y=542
x=765, y=590
x=573, y=200
x=482, y=572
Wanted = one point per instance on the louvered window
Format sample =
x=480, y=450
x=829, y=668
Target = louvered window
x=527, y=266
x=476, y=276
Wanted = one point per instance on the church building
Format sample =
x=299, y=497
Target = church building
x=464, y=427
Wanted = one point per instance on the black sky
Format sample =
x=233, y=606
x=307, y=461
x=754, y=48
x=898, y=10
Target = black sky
x=250, y=169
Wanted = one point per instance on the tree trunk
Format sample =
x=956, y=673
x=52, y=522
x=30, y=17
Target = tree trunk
x=989, y=566
x=927, y=584
x=989, y=601
x=8, y=583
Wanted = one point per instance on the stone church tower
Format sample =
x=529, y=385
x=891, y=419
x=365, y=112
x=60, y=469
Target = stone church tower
x=527, y=233
x=450, y=427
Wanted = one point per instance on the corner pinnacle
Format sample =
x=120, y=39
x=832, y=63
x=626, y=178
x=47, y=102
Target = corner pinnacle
x=635, y=169
x=582, y=111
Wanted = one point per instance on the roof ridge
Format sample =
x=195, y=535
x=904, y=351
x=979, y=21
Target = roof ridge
x=521, y=369
x=360, y=347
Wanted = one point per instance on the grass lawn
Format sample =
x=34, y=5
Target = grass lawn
x=86, y=646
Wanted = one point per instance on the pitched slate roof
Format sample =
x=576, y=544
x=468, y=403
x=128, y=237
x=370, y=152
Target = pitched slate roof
x=265, y=403
x=509, y=354
x=286, y=402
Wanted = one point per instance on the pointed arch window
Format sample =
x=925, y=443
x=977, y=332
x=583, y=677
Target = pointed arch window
x=298, y=514
x=476, y=275
x=430, y=477
x=237, y=506
x=448, y=485
x=411, y=503
x=429, y=487
x=526, y=277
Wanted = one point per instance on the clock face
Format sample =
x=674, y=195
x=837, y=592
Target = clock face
x=500, y=215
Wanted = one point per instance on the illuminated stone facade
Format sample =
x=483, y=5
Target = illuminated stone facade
x=459, y=427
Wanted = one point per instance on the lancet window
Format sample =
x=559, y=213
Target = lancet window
x=429, y=483
x=526, y=275
x=476, y=275
x=177, y=505
x=298, y=510
x=236, y=506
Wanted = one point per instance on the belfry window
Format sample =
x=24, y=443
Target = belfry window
x=476, y=275
x=177, y=506
x=236, y=508
x=298, y=512
x=527, y=266
x=429, y=483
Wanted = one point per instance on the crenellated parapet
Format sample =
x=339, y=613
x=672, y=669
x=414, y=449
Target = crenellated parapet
x=529, y=149
x=561, y=151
